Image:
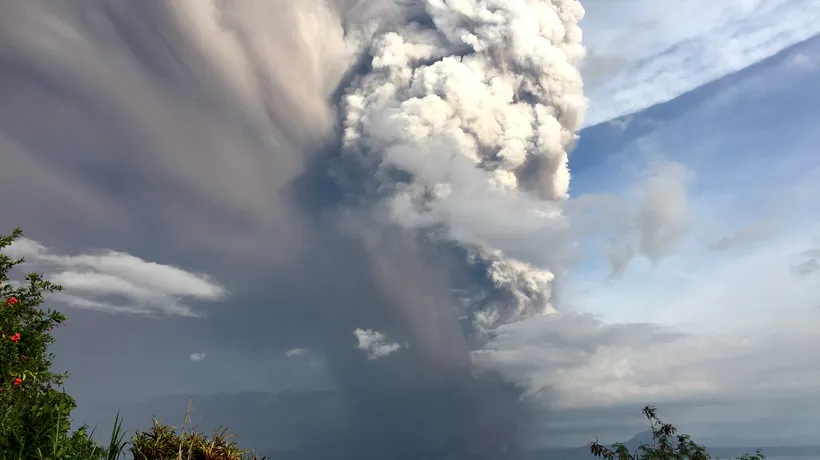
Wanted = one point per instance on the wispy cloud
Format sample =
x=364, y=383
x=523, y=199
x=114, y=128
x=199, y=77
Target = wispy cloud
x=649, y=219
x=294, y=352
x=716, y=42
x=196, y=357
x=118, y=282
x=748, y=235
x=809, y=263
x=804, y=61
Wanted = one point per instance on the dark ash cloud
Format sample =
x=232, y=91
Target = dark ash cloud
x=198, y=135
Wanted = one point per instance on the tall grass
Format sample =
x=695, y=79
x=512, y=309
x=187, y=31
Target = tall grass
x=61, y=447
x=162, y=442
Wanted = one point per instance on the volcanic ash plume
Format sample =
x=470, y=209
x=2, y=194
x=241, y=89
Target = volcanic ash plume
x=454, y=135
x=461, y=127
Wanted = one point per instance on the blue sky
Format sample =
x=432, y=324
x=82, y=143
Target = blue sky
x=749, y=144
x=157, y=153
x=748, y=141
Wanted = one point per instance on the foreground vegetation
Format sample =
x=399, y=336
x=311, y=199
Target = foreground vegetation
x=666, y=445
x=35, y=412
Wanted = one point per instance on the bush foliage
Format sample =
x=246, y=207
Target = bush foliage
x=667, y=444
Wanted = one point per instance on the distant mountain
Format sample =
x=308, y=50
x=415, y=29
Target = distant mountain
x=807, y=439
x=645, y=438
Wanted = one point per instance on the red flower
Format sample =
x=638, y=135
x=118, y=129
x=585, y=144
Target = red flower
x=12, y=300
x=18, y=381
x=15, y=338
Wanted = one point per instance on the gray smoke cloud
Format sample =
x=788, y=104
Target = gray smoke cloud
x=359, y=167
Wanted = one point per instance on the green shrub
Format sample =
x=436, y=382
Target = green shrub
x=666, y=445
x=34, y=413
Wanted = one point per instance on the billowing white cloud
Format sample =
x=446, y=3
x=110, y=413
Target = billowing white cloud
x=119, y=283
x=375, y=344
x=196, y=357
x=478, y=111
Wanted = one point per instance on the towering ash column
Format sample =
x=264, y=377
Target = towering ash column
x=463, y=121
